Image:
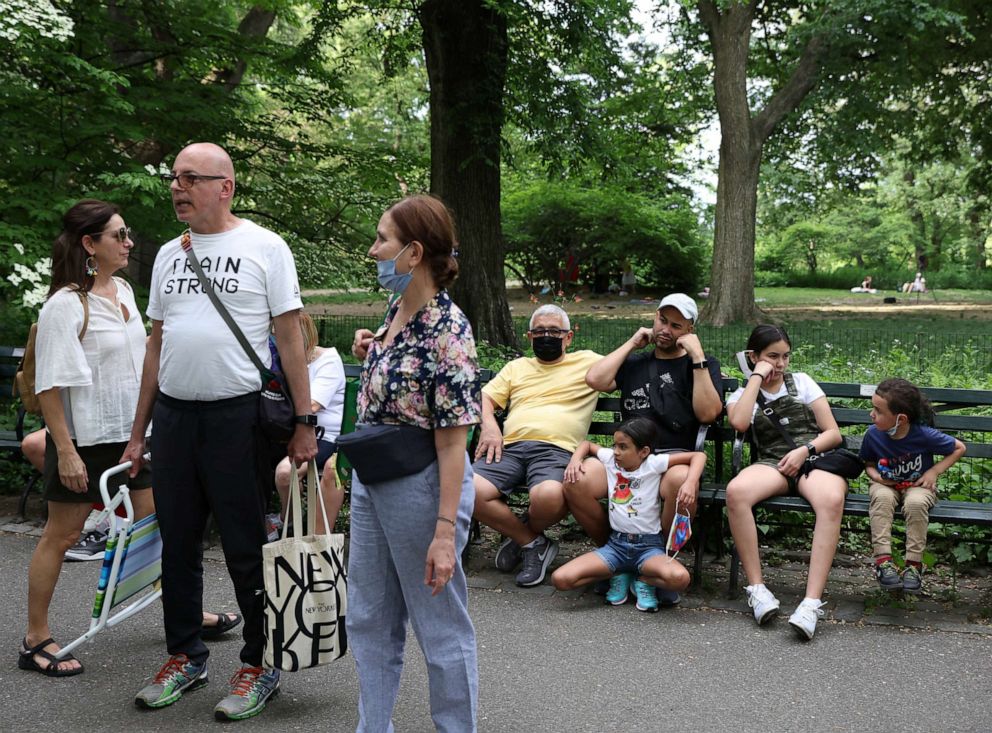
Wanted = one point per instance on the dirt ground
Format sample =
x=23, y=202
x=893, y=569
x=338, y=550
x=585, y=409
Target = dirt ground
x=642, y=306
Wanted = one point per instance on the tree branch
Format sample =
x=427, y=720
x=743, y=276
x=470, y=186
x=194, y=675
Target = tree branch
x=791, y=94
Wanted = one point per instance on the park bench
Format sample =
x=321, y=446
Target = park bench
x=606, y=418
x=975, y=431
x=10, y=438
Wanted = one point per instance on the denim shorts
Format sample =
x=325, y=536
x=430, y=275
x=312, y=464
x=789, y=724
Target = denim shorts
x=627, y=553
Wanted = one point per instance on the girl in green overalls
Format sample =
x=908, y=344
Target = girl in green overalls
x=801, y=408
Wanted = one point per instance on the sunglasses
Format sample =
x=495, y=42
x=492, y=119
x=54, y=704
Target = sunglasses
x=121, y=235
x=186, y=181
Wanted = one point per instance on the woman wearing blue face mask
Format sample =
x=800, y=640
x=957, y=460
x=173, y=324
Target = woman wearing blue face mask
x=407, y=533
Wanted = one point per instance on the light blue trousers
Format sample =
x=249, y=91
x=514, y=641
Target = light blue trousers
x=392, y=525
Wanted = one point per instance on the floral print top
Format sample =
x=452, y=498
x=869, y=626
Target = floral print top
x=428, y=376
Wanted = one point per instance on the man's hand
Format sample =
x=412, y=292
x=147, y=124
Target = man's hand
x=360, y=346
x=302, y=447
x=642, y=338
x=690, y=342
x=490, y=444
x=134, y=451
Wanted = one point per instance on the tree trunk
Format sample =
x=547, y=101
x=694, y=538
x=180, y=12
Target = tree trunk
x=465, y=46
x=742, y=137
x=732, y=278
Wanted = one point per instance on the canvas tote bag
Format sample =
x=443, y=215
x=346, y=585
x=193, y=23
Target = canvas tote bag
x=306, y=595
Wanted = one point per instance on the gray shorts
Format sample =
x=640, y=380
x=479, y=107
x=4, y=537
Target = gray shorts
x=526, y=463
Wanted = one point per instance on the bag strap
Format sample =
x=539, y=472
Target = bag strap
x=85, y=300
x=186, y=243
x=768, y=411
x=294, y=512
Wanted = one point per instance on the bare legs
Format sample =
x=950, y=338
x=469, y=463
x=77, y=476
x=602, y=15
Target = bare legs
x=333, y=497
x=547, y=507
x=824, y=491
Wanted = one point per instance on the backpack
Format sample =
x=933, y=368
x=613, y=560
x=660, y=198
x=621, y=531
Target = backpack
x=24, y=379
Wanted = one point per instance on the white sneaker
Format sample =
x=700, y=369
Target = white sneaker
x=765, y=605
x=804, y=618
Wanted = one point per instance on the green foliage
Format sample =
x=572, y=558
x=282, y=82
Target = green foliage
x=544, y=222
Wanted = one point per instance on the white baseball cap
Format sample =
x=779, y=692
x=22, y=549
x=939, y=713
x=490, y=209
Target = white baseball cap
x=682, y=303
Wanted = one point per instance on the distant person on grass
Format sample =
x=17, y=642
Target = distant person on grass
x=550, y=408
x=898, y=451
x=677, y=386
x=634, y=555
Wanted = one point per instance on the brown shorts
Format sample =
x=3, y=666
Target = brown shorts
x=97, y=458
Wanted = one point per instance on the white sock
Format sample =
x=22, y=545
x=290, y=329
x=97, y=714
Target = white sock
x=757, y=587
x=807, y=601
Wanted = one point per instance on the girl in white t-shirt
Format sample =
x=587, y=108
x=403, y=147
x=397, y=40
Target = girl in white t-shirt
x=802, y=411
x=635, y=552
x=327, y=385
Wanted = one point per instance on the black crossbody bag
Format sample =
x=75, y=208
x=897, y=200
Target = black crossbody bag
x=275, y=406
x=387, y=452
x=839, y=461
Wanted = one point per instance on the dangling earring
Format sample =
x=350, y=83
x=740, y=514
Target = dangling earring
x=91, y=266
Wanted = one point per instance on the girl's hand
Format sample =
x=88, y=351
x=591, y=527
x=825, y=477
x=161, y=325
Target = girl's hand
x=573, y=471
x=685, y=499
x=764, y=370
x=928, y=480
x=440, y=562
x=72, y=472
x=793, y=461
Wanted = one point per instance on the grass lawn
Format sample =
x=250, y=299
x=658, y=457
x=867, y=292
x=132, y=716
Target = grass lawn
x=818, y=297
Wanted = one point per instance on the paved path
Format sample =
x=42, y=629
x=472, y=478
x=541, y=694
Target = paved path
x=548, y=662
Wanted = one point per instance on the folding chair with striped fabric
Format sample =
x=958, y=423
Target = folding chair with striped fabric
x=132, y=563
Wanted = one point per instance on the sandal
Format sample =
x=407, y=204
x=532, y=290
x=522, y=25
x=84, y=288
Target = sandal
x=225, y=622
x=26, y=661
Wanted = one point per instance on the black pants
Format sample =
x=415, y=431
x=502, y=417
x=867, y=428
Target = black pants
x=207, y=460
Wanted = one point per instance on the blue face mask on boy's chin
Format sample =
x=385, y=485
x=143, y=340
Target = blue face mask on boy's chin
x=389, y=278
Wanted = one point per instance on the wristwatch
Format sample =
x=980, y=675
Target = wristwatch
x=811, y=448
x=305, y=420
x=701, y=365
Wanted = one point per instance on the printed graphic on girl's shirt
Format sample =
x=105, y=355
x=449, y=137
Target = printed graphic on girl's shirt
x=623, y=495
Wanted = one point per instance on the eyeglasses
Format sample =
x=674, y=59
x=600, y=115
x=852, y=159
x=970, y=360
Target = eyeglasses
x=188, y=180
x=121, y=235
x=552, y=332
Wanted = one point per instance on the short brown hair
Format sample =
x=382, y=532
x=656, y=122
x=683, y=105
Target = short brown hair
x=427, y=220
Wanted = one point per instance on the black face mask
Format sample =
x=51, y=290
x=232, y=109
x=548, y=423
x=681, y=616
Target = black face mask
x=548, y=348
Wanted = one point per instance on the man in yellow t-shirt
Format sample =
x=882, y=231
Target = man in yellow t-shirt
x=550, y=408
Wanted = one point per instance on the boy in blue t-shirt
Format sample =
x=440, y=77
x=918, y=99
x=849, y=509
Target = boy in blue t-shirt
x=898, y=451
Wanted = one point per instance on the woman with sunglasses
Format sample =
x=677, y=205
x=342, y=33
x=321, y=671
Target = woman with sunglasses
x=90, y=346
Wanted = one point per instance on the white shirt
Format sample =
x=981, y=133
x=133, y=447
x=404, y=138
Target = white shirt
x=253, y=272
x=807, y=392
x=100, y=377
x=634, y=501
x=327, y=384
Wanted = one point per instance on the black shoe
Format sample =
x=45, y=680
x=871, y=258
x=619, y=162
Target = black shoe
x=536, y=561
x=912, y=582
x=888, y=576
x=90, y=546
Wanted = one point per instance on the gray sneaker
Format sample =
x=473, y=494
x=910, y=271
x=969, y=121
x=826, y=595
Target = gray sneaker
x=509, y=553
x=180, y=674
x=536, y=561
x=251, y=688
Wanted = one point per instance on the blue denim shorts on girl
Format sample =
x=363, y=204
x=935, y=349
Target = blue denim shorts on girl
x=626, y=553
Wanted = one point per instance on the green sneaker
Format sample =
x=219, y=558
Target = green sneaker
x=251, y=688
x=180, y=674
x=912, y=582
